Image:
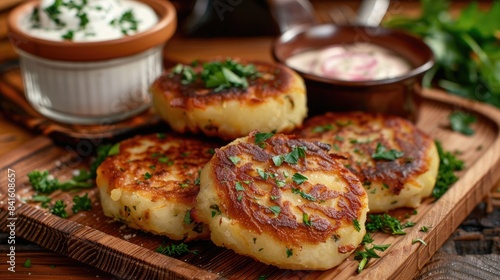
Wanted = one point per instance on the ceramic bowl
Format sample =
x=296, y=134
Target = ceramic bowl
x=399, y=95
x=91, y=82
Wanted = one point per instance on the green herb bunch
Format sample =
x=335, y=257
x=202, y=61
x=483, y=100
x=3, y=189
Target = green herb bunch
x=466, y=48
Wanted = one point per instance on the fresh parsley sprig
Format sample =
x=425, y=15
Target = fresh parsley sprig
x=448, y=165
x=218, y=75
x=381, y=152
x=386, y=223
x=174, y=250
x=43, y=182
x=466, y=48
x=81, y=203
x=364, y=256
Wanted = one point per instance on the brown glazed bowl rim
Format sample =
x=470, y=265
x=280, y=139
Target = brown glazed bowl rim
x=306, y=32
x=97, y=50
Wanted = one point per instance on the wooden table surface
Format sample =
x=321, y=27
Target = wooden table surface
x=48, y=265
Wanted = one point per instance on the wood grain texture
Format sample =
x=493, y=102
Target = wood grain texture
x=92, y=238
x=464, y=267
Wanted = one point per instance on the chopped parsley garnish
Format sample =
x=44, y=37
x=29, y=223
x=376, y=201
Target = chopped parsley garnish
x=234, y=159
x=262, y=174
x=187, y=217
x=424, y=229
x=303, y=194
x=261, y=137
x=323, y=128
x=305, y=219
x=448, y=165
x=227, y=74
x=59, y=209
x=161, y=135
x=27, y=263
x=278, y=160
x=289, y=252
x=418, y=240
x=367, y=239
x=381, y=152
x=103, y=151
x=81, y=203
x=280, y=183
x=115, y=149
x=175, y=249
x=219, y=75
x=356, y=225
x=364, y=256
x=239, y=186
x=386, y=223
x=187, y=72
x=461, y=121
x=53, y=11
x=127, y=22
x=35, y=18
x=45, y=200
x=294, y=156
x=299, y=178
x=42, y=182
x=275, y=209
x=147, y=175
x=215, y=210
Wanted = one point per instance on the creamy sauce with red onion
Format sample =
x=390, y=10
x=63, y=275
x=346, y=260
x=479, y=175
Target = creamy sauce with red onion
x=87, y=20
x=353, y=62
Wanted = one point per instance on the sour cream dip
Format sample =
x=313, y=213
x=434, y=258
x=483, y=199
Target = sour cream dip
x=351, y=62
x=87, y=20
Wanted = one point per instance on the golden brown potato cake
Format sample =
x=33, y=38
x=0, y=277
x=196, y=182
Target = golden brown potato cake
x=273, y=101
x=396, y=162
x=152, y=182
x=282, y=201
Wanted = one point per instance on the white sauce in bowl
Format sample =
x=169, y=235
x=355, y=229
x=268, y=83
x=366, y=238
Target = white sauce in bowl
x=88, y=20
x=353, y=62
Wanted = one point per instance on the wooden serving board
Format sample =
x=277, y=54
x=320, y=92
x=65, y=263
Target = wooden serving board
x=92, y=238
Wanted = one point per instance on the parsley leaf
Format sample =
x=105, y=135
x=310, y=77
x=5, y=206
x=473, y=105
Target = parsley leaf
x=294, y=156
x=27, y=263
x=227, y=74
x=364, y=256
x=261, y=137
x=239, y=186
x=448, y=165
x=299, y=178
x=45, y=200
x=275, y=209
x=461, y=121
x=305, y=219
x=382, y=153
x=81, y=203
x=278, y=160
x=234, y=159
x=174, y=249
x=303, y=194
x=59, y=209
x=103, y=151
x=323, y=128
x=386, y=223
x=418, y=240
x=42, y=183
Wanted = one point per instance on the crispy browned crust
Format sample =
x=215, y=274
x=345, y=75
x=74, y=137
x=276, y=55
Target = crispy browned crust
x=248, y=209
x=275, y=79
x=174, y=174
x=344, y=131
